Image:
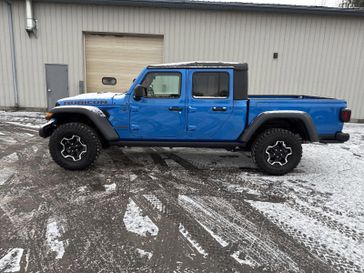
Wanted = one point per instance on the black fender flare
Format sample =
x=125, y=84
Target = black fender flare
x=281, y=114
x=94, y=114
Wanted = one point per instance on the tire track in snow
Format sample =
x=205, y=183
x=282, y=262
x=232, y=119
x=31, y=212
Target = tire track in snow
x=325, y=219
x=329, y=245
x=244, y=237
x=157, y=159
x=215, y=252
x=181, y=161
x=186, y=228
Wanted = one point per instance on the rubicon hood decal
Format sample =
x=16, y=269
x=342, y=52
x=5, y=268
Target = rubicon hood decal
x=89, y=99
x=85, y=102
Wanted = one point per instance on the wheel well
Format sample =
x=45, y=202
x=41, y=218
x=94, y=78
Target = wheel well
x=297, y=126
x=63, y=118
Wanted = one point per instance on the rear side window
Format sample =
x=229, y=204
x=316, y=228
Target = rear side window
x=210, y=85
x=162, y=85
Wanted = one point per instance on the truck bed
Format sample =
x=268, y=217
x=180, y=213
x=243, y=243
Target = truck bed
x=325, y=112
x=302, y=97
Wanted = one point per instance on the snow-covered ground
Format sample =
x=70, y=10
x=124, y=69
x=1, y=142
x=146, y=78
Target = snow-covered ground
x=180, y=210
x=24, y=119
x=325, y=200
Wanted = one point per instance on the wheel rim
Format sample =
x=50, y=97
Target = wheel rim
x=73, y=148
x=278, y=153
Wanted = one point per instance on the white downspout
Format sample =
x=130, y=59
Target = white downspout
x=30, y=22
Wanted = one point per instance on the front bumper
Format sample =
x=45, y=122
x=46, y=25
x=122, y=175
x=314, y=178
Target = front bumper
x=337, y=138
x=47, y=129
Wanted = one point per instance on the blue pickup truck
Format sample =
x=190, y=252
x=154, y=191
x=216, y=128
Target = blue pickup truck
x=194, y=104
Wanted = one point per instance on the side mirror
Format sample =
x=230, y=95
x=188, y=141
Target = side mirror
x=139, y=92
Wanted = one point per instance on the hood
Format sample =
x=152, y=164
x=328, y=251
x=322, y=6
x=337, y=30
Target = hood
x=95, y=99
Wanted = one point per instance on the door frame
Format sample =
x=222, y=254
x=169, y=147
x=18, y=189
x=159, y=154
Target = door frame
x=46, y=81
x=195, y=104
x=135, y=105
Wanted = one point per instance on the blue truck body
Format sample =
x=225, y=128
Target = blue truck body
x=151, y=119
x=194, y=105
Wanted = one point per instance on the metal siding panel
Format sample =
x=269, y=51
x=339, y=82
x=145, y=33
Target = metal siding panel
x=6, y=75
x=318, y=55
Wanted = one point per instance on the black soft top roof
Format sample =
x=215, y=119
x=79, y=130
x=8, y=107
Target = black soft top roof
x=236, y=66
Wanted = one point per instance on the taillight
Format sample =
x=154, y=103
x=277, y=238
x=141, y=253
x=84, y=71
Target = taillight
x=345, y=115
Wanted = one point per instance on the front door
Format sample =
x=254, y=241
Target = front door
x=210, y=105
x=57, y=83
x=161, y=113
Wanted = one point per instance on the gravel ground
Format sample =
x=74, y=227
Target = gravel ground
x=178, y=210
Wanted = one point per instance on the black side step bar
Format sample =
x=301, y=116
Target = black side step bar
x=203, y=144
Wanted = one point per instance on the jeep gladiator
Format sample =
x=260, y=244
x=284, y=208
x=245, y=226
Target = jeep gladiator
x=195, y=104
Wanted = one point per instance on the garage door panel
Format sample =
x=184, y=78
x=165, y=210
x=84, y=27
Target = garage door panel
x=121, y=57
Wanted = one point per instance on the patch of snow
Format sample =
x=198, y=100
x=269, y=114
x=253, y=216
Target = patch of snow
x=194, y=243
x=11, y=261
x=2, y=134
x=132, y=177
x=313, y=234
x=110, y=187
x=53, y=234
x=82, y=189
x=220, y=240
x=93, y=96
x=35, y=148
x=5, y=174
x=190, y=201
x=27, y=260
x=23, y=114
x=246, y=261
x=153, y=177
x=239, y=189
x=142, y=253
x=156, y=203
x=137, y=223
x=10, y=158
x=26, y=125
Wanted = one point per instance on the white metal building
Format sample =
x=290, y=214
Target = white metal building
x=73, y=44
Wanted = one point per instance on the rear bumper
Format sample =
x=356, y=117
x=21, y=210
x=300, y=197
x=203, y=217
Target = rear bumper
x=337, y=138
x=46, y=129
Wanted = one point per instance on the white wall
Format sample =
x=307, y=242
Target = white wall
x=318, y=55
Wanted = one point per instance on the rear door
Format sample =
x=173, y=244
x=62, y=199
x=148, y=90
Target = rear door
x=210, y=104
x=161, y=113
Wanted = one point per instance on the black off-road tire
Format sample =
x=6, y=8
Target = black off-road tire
x=268, y=138
x=88, y=136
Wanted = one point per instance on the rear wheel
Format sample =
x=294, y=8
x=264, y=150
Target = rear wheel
x=74, y=146
x=277, y=151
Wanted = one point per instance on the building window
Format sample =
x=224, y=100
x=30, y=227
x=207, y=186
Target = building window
x=210, y=85
x=162, y=85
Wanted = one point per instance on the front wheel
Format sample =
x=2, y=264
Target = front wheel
x=277, y=151
x=74, y=146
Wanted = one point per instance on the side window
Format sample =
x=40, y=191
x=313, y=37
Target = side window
x=210, y=85
x=162, y=85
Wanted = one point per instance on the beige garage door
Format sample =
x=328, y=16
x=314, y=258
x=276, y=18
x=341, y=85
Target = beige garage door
x=121, y=57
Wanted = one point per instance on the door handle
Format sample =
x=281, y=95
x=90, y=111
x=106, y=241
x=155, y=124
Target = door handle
x=175, y=108
x=49, y=90
x=191, y=109
x=219, y=108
